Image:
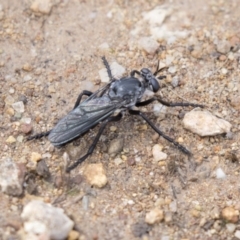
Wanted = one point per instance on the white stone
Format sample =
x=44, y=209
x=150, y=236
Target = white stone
x=42, y=6
x=148, y=44
x=220, y=174
x=157, y=15
x=116, y=69
x=158, y=155
x=173, y=206
x=104, y=47
x=237, y=234
x=18, y=107
x=159, y=110
x=43, y=219
x=205, y=124
x=231, y=227
x=172, y=69
x=118, y=161
x=103, y=75
x=27, y=78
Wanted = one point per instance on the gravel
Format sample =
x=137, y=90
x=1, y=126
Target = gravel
x=53, y=51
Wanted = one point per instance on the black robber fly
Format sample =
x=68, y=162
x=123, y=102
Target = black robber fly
x=100, y=107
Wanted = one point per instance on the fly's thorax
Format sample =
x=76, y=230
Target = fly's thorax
x=128, y=90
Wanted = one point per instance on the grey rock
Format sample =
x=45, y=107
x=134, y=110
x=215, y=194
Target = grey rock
x=42, y=169
x=11, y=177
x=223, y=47
x=115, y=146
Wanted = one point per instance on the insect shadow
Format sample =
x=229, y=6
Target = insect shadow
x=100, y=107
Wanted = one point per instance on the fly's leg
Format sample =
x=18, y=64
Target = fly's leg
x=83, y=93
x=92, y=147
x=177, y=104
x=135, y=72
x=39, y=135
x=106, y=64
x=151, y=124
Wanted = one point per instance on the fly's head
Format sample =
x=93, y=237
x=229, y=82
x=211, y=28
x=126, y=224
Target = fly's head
x=150, y=79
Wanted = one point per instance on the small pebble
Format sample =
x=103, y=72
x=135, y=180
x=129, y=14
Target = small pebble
x=154, y=216
x=230, y=214
x=35, y=157
x=9, y=100
x=172, y=69
x=230, y=227
x=42, y=169
x=23, y=99
x=237, y=234
x=224, y=71
x=27, y=78
x=9, y=111
x=104, y=47
x=118, y=161
x=18, y=106
x=58, y=181
x=103, y=75
x=113, y=128
x=168, y=217
x=42, y=6
x=115, y=146
x=117, y=70
x=27, y=67
x=158, y=155
x=224, y=47
x=85, y=202
x=26, y=128
x=195, y=213
x=159, y=110
x=148, y=44
x=215, y=213
x=131, y=161
x=73, y=235
x=175, y=81
x=235, y=102
x=95, y=175
x=220, y=174
x=11, y=90
x=11, y=139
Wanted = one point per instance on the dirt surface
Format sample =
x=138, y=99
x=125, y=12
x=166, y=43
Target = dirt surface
x=47, y=59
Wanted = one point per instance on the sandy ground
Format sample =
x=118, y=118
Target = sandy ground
x=48, y=59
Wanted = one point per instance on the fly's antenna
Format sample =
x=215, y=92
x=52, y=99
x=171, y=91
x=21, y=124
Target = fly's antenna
x=158, y=70
x=106, y=64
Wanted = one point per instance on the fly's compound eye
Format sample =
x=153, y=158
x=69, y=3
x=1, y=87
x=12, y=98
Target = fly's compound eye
x=150, y=79
x=155, y=85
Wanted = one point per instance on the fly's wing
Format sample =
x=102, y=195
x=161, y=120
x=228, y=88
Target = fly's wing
x=81, y=119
